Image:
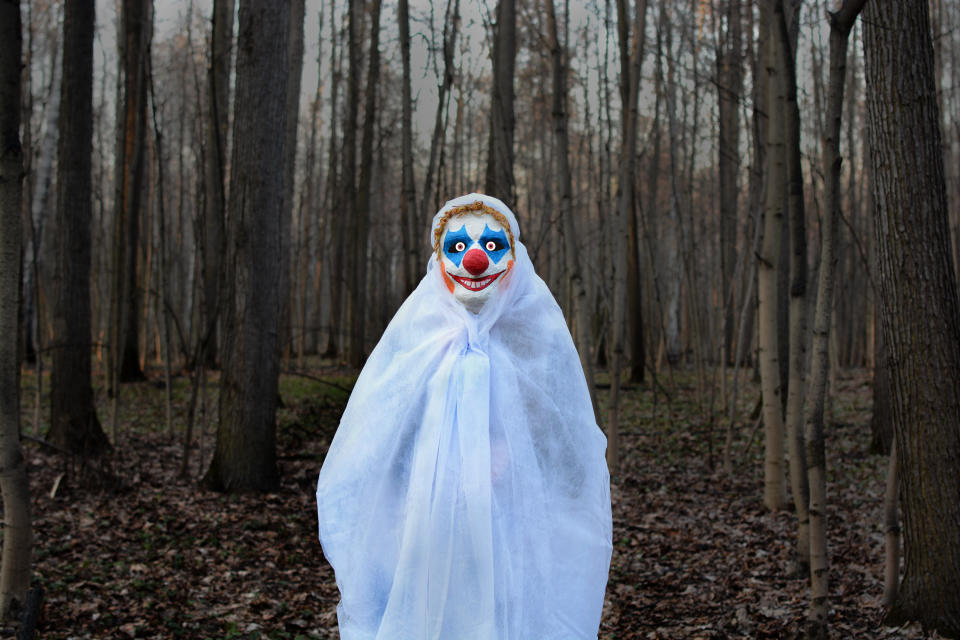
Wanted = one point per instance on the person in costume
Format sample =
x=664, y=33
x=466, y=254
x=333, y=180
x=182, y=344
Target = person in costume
x=465, y=495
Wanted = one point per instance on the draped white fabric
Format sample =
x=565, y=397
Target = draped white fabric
x=465, y=495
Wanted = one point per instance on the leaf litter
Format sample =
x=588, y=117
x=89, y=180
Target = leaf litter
x=696, y=555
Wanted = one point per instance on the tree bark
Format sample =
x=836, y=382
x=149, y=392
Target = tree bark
x=245, y=454
x=672, y=231
x=361, y=210
x=881, y=420
x=891, y=533
x=74, y=425
x=294, y=67
x=784, y=17
x=337, y=223
x=774, y=495
x=578, y=293
x=729, y=89
x=14, y=488
x=500, y=181
x=921, y=312
x=631, y=59
x=408, y=200
x=841, y=23
x=348, y=172
x=134, y=50
x=218, y=102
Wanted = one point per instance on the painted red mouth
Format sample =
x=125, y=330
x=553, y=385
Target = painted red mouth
x=476, y=284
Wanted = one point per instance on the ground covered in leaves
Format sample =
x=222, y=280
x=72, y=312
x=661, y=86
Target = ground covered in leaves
x=150, y=554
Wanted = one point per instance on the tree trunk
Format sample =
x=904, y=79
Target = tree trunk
x=891, y=533
x=73, y=418
x=245, y=454
x=921, y=312
x=500, y=181
x=408, y=200
x=332, y=210
x=881, y=419
x=774, y=495
x=841, y=23
x=163, y=275
x=294, y=67
x=218, y=97
x=784, y=17
x=134, y=51
x=361, y=210
x=348, y=185
x=578, y=293
x=729, y=90
x=14, y=488
x=631, y=59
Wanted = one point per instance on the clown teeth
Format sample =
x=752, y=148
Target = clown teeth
x=476, y=284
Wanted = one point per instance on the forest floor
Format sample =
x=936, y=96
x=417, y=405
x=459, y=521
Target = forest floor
x=150, y=554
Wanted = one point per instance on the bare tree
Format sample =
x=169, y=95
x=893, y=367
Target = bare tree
x=408, y=201
x=216, y=127
x=347, y=238
x=74, y=425
x=361, y=208
x=729, y=89
x=136, y=19
x=774, y=493
x=631, y=61
x=921, y=311
x=245, y=454
x=294, y=67
x=17, y=529
x=578, y=293
x=500, y=180
x=784, y=34
x=841, y=22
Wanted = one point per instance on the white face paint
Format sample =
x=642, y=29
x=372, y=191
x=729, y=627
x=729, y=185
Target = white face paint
x=475, y=256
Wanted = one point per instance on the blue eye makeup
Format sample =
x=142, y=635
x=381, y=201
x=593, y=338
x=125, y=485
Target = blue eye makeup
x=456, y=243
x=495, y=243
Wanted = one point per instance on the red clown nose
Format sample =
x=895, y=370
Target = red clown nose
x=475, y=261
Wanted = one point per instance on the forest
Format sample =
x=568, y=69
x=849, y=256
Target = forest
x=748, y=212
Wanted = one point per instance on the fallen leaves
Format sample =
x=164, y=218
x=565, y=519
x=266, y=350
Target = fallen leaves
x=696, y=555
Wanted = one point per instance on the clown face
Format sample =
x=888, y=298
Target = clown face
x=475, y=257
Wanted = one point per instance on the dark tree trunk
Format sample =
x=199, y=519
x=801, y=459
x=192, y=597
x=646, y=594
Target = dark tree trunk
x=500, y=181
x=245, y=454
x=729, y=89
x=294, y=67
x=348, y=173
x=921, y=313
x=578, y=314
x=408, y=201
x=17, y=529
x=333, y=198
x=881, y=420
x=74, y=425
x=134, y=44
x=361, y=211
x=218, y=102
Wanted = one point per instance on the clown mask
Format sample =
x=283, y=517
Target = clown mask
x=475, y=255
